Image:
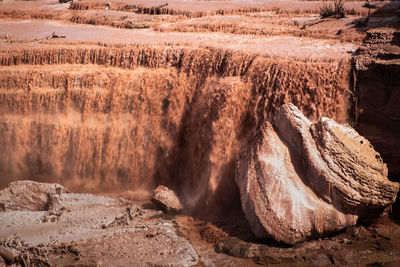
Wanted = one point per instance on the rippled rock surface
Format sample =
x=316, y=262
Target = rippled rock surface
x=299, y=179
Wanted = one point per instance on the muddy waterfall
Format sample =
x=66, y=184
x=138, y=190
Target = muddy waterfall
x=116, y=118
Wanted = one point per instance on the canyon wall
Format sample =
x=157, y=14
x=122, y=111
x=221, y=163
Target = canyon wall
x=378, y=94
x=377, y=110
x=113, y=118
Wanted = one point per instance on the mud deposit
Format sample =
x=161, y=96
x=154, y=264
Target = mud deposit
x=115, y=98
x=92, y=230
x=88, y=230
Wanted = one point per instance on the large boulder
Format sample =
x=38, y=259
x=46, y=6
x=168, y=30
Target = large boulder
x=30, y=195
x=299, y=180
x=275, y=200
x=337, y=163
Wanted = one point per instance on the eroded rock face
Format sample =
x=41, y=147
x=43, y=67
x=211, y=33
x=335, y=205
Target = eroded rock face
x=377, y=95
x=356, y=174
x=298, y=179
x=30, y=195
x=166, y=200
x=338, y=164
x=275, y=200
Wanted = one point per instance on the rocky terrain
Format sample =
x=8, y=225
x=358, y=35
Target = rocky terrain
x=117, y=97
x=87, y=230
x=42, y=227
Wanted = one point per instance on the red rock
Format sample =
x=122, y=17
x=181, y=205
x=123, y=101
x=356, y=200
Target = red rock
x=166, y=200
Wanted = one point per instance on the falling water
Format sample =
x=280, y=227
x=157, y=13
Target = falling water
x=117, y=118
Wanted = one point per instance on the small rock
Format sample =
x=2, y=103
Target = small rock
x=2, y=261
x=166, y=200
x=55, y=36
x=346, y=241
x=134, y=211
x=151, y=233
x=74, y=249
x=9, y=254
x=63, y=208
x=212, y=234
x=353, y=231
x=45, y=218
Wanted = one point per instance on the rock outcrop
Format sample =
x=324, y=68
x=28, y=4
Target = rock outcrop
x=166, y=200
x=300, y=179
x=275, y=200
x=377, y=96
x=30, y=195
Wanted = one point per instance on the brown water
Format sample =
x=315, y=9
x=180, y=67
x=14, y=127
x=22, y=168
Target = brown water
x=283, y=46
x=109, y=110
x=113, y=119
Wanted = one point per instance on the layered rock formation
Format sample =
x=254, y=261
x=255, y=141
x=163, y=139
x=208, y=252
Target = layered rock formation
x=301, y=179
x=377, y=95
